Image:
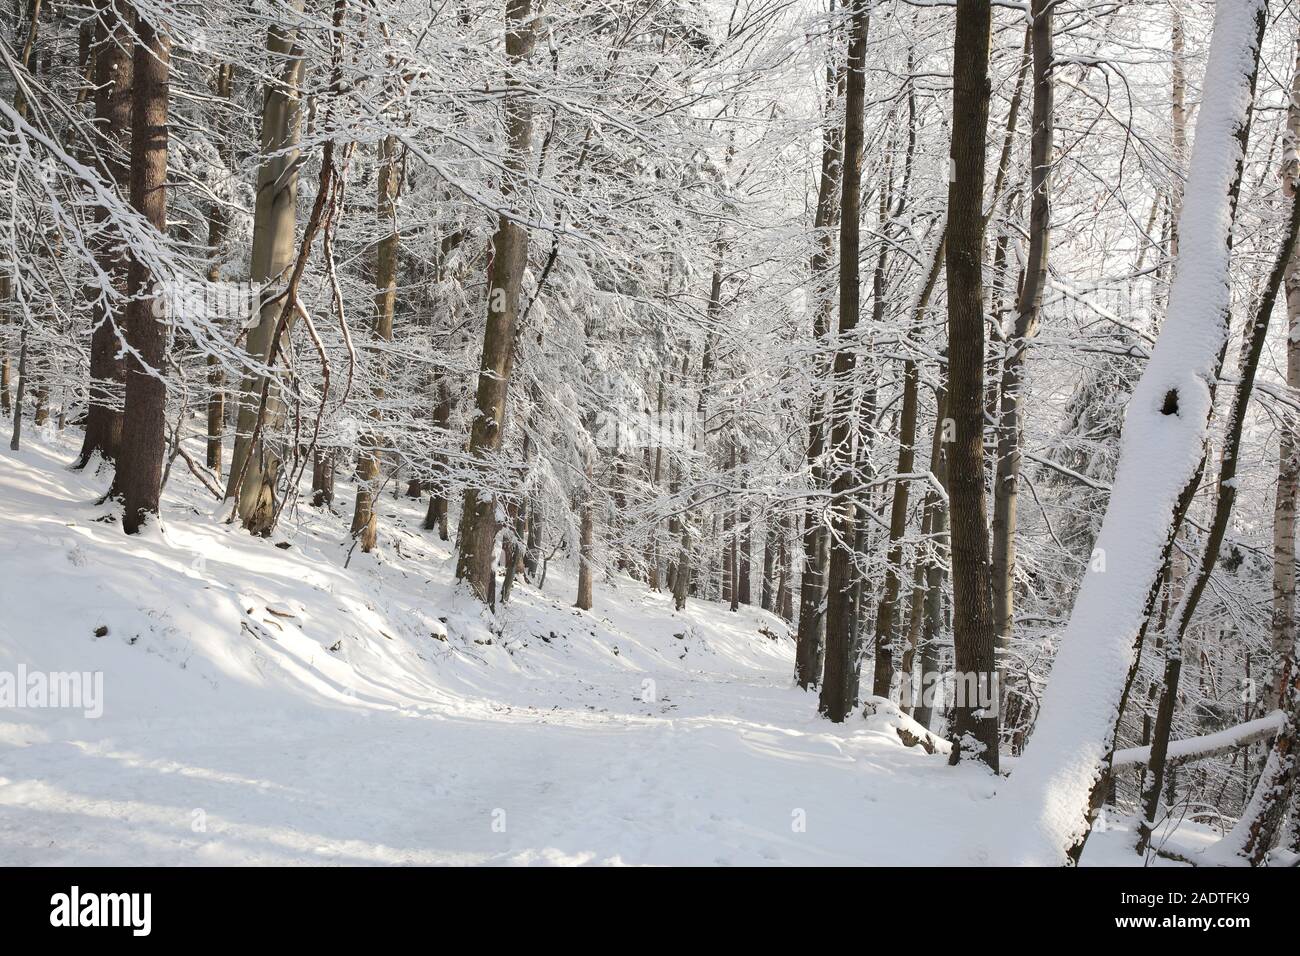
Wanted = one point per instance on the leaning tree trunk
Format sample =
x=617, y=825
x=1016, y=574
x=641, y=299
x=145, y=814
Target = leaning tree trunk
x=1225, y=498
x=838, y=678
x=144, y=426
x=975, y=721
x=478, y=521
x=1046, y=802
x=1010, y=425
x=254, y=470
x=113, y=72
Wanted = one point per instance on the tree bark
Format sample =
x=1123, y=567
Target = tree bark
x=364, y=522
x=113, y=72
x=975, y=722
x=1283, y=636
x=811, y=631
x=478, y=522
x=837, y=680
x=586, y=546
x=1010, y=424
x=218, y=225
x=254, y=470
x=144, y=426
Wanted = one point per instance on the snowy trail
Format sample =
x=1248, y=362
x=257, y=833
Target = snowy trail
x=263, y=705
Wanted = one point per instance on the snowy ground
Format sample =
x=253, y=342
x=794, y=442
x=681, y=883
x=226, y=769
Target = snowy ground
x=268, y=705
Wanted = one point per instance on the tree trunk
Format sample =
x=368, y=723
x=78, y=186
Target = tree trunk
x=113, y=73
x=436, y=516
x=811, y=633
x=785, y=588
x=654, y=461
x=1256, y=334
x=254, y=470
x=586, y=547
x=218, y=225
x=478, y=521
x=837, y=682
x=1283, y=638
x=322, y=478
x=975, y=723
x=364, y=522
x=144, y=426
x=1050, y=794
x=744, y=569
x=769, y=565
x=1010, y=424
x=682, y=574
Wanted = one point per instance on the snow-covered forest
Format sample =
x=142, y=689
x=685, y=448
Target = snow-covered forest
x=649, y=431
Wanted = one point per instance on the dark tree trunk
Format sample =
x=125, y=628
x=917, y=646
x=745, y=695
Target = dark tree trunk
x=113, y=72
x=139, y=471
x=837, y=682
x=770, y=546
x=1010, y=422
x=975, y=723
x=365, y=524
x=218, y=225
x=811, y=634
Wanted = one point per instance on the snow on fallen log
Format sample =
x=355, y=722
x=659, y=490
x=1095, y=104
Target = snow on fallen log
x=1207, y=745
x=1042, y=809
x=884, y=714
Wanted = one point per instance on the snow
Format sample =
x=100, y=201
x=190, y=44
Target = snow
x=232, y=733
x=1206, y=744
x=1042, y=808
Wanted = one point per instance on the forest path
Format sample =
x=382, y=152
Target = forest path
x=265, y=705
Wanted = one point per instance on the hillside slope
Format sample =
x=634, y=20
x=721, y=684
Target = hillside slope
x=265, y=704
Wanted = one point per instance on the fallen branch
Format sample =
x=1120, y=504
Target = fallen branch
x=1209, y=745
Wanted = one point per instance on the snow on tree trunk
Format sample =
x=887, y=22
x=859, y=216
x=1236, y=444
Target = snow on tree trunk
x=1043, y=809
